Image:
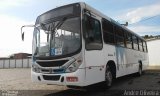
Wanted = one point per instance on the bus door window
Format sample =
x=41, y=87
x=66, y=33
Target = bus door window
x=92, y=33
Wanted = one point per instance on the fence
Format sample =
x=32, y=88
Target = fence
x=15, y=63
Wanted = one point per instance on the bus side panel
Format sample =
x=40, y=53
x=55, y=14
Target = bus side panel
x=128, y=61
x=94, y=66
x=121, y=61
x=132, y=63
x=110, y=55
x=145, y=61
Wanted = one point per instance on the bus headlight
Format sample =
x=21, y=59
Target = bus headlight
x=74, y=66
x=35, y=68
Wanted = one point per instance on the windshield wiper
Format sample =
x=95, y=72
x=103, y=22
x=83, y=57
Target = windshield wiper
x=53, y=27
x=53, y=30
x=59, y=24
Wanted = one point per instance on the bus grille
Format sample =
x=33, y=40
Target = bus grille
x=52, y=71
x=54, y=78
x=51, y=63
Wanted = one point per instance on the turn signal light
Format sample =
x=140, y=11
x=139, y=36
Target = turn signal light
x=72, y=79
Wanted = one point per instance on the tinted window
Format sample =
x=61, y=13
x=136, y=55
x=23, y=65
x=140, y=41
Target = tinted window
x=129, y=40
x=92, y=32
x=119, y=36
x=145, y=47
x=59, y=13
x=140, y=45
x=108, y=33
x=135, y=42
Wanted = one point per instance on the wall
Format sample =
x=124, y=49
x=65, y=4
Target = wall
x=154, y=52
x=15, y=63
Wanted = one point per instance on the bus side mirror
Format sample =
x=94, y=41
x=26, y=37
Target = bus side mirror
x=22, y=33
x=22, y=36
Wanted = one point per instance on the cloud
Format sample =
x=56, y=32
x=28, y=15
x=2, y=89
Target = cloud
x=10, y=38
x=135, y=15
x=6, y=4
x=143, y=28
x=138, y=14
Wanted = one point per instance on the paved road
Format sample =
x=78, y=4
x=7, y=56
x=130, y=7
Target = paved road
x=19, y=79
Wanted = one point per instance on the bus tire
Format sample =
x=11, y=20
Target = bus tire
x=139, y=73
x=108, y=77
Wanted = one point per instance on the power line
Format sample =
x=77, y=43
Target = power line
x=146, y=19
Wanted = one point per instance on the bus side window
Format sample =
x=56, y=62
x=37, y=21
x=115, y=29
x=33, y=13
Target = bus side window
x=145, y=47
x=92, y=33
x=119, y=36
x=135, y=42
x=129, y=41
x=108, y=33
x=140, y=45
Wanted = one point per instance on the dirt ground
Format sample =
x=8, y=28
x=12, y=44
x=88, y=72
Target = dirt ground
x=17, y=82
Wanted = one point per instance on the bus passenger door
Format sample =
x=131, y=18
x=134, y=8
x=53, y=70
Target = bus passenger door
x=93, y=49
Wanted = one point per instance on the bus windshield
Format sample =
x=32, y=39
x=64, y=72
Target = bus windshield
x=57, y=38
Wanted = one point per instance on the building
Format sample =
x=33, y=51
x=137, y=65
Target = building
x=20, y=55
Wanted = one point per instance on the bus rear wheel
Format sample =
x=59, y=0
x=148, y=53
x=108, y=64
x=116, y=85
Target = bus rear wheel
x=108, y=77
x=139, y=73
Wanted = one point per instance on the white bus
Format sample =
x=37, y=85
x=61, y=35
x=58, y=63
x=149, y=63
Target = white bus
x=76, y=45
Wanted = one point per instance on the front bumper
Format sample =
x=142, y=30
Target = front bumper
x=60, y=79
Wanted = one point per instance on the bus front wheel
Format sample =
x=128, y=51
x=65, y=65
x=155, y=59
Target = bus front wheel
x=108, y=77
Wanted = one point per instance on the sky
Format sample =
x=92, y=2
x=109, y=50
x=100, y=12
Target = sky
x=143, y=17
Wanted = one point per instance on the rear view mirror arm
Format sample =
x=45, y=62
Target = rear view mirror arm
x=22, y=33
